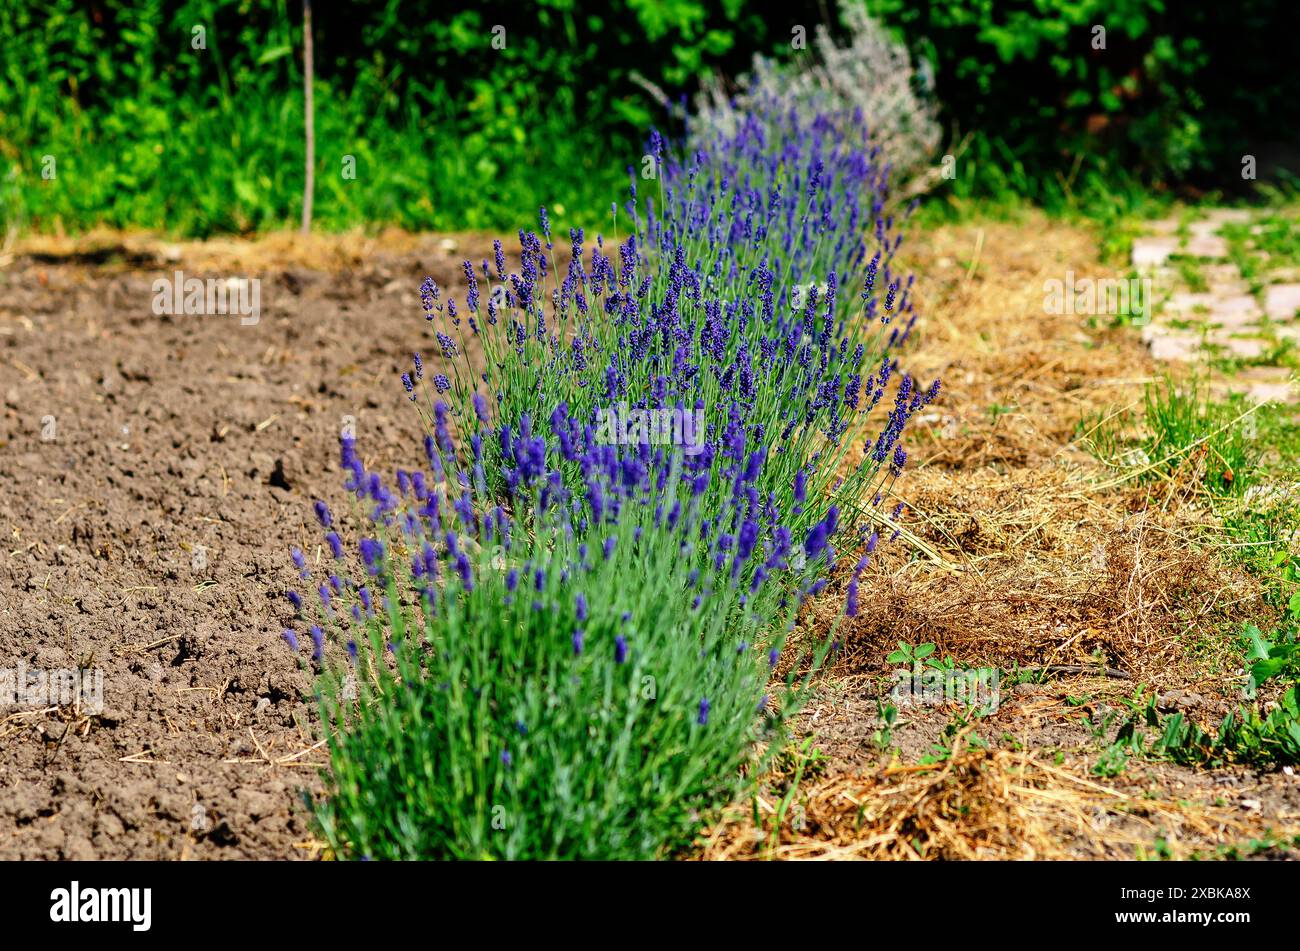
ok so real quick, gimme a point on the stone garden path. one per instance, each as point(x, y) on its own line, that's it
point(1245, 325)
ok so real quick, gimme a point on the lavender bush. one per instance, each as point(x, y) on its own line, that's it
point(556, 638)
point(725, 302)
point(873, 77)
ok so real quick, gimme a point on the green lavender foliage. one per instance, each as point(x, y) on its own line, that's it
point(488, 731)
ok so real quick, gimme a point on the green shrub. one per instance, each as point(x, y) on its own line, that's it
point(1180, 89)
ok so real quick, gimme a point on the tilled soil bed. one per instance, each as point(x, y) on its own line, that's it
point(154, 472)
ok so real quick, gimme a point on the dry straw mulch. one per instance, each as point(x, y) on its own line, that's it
point(979, 804)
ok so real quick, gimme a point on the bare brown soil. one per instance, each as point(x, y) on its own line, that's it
point(154, 471)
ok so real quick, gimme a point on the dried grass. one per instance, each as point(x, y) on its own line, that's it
point(1053, 565)
point(978, 804)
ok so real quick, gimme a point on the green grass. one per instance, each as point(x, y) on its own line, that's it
point(1278, 237)
point(1180, 420)
point(1179, 425)
point(238, 167)
point(1191, 275)
point(112, 117)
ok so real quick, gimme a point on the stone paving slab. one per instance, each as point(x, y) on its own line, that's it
point(1167, 344)
point(1271, 393)
point(1282, 301)
point(1224, 216)
point(1206, 246)
point(1186, 303)
point(1247, 348)
point(1267, 384)
point(1240, 311)
point(1148, 252)
point(1221, 273)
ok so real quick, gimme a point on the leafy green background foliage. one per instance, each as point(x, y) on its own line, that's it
point(1181, 91)
point(450, 133)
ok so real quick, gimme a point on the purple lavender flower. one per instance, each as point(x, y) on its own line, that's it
point(428, 296)
point(815, 543)
point(471, 295)
point(335, 543)
point(440, 428)
point(899, 461)
point(372, 554)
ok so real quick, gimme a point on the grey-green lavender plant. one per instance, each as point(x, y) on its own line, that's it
point(873, 75)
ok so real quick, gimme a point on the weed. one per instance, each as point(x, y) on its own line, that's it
point(958, 735)
point(1259, 737)
point(887, 715)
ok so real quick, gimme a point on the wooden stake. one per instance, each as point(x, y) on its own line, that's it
point(307, 75)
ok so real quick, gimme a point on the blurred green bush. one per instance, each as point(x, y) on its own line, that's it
point(1168, 90)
